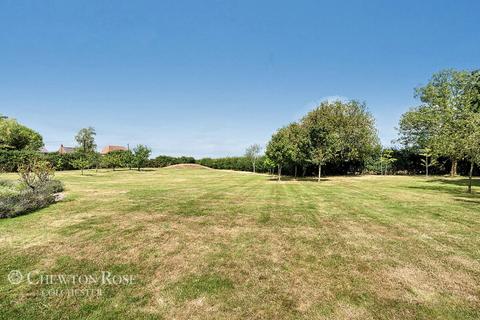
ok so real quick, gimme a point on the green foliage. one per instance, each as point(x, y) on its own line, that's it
point(333, 133)
point(416, 127)
point(253, 153)
point(14, 136)
point(86, 140)
point(27, 200)
point(10, 160)
point(234, 163)
point(386, 160)
point(280, 149)
point(341, 131)
point(36, 173)
point(82, 162)
point(141, 153)
point(165, 161)
point(447, 124)
point(115, 159)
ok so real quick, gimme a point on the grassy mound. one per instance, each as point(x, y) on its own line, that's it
point(187, 166)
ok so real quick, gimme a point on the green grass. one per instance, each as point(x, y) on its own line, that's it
point(210, 244)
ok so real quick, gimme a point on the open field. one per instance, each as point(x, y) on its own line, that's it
point(208, 244)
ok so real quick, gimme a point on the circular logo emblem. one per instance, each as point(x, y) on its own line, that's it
point(15, 277)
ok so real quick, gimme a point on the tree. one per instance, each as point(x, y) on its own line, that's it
point(14, 136)
point(279, 149)
point(299, 139)
point(141, 153)
point(95, 160)
point(113, 159)
point(417, 127)
point(269, 164)
point(252, 153)
point(471, 124)
point(386, 160)
point(86, 140)
point(428, 159)
point(340, 131)
point(128, 159)
point(36, 173)
point(446, 99)
point(82, 163)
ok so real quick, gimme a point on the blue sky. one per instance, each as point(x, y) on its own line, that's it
point(208, 78)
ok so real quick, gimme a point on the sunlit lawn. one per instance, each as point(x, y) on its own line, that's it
point(212, 244)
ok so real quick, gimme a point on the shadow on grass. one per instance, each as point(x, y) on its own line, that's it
point(458, 182)
point(457, 187)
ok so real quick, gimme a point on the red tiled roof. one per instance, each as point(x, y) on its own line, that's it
point(108, 149)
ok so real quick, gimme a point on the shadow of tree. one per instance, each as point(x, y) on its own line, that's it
point(457, 187)
point(457, 182)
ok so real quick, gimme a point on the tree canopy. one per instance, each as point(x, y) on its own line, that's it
point(446, 120)
point(333, 132)
point(15, 136)
point(86, 140)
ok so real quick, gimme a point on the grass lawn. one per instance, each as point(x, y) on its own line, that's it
point(208, 244)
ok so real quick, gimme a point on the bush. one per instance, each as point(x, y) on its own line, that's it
point(26, 200)
point(165, 161)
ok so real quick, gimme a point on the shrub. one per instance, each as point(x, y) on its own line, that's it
point(26, 200)
point(36, 173)
point(165, 161)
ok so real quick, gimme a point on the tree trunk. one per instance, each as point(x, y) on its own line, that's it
point(253, 166)
point(279, 172)
point(82, 171)
point(295, 172)
point(470, 177)
point(304, 171)
point(426, 166)
point(453, 170)
point(319, 172)
point(138, 168)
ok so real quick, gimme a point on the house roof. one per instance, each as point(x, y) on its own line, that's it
point(108, 149)
point(66, 149)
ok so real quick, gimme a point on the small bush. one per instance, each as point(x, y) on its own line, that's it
point(53, 186)
point(28, 200)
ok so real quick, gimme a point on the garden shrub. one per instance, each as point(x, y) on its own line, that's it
point(26, 200)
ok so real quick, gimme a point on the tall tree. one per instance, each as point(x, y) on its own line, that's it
point(340, 131)
point(280, 149)
point(114, 159)
point(86, 140)
point(471, 124)
point(15, 136)
point(386, 160)
point(82, 162)
point(253, 153)
point(300, 141)
point(141, 153)
point(427, 160)
point(446, 100)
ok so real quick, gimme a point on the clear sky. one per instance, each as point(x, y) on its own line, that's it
point(208, 78)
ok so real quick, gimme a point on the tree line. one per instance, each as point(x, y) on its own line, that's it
point(445, 127)
point(337, 137)
point(20, 145)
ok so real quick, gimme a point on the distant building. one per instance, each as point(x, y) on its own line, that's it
point(43, 150)
point(108, 149)
point(64, 150)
